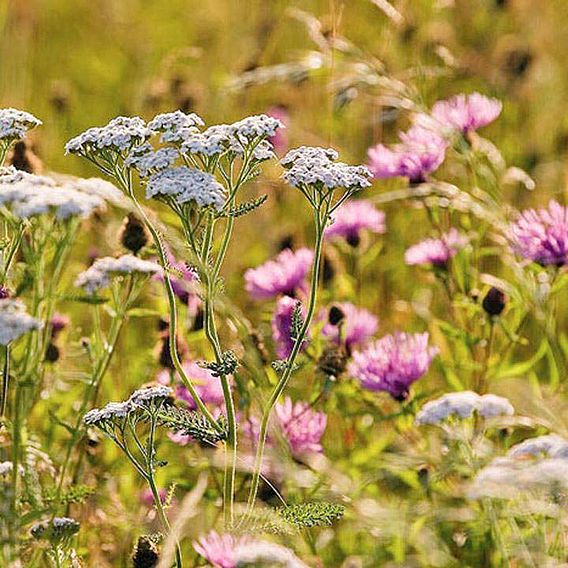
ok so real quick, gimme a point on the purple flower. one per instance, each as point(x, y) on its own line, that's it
point(283, 275)
point(301, 426)
point(356, 328)
point(148, 498)
point(280, 139)
point(354, 217)
point(421, 152)
point(207, 386)
point(393, 363)
point(183, 279)
point(220, 550)
point(282, 325)
point(466, 113)
point(542, 235)
point(436, 251)
point(58, 323)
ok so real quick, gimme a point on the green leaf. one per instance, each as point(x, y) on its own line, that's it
point(522, 368)
point(143, 313)
point(245, 207)
point(312, 514)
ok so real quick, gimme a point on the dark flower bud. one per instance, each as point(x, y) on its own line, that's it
point(163, 325)
point(333, 361)
point(52, 353)
point(494, 302)
point(336, 315)
point(286, 242)
point(328, 271)
point(133, 234)
point(518, 61)
point(353, 240)
point(23, 158)
point(146, 554)
point(4, 293)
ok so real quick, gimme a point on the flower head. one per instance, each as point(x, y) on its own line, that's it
point(282, 326)
point(55, 530)
point(145, 160)
point(301, 426)
point(185, 184)
point(111, 412)
point(283, 275)
point(14, 123)
point(174, 126)
point(466, 113)
point(149, 395)
point(393, 363)
point(421, 152)
point(220, 550)
point(542, 235)
point(352, 218)
point(15, 321)
point(356, 327)
point(436, 251)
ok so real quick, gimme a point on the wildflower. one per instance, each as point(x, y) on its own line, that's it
point(494, 302)
point(436, 251)
point(463, 405)
point(149, 395)
point(100, 188)
point(56, 530)
point(15, 321)
point(548, 446)
point(542, 235)
point(393, 363)
point(147, 497)
point(257, 126)
point(185, 184)
point(285, 274)
point(207, 386)
point(145, 160)
point(282, 326)
point(220, 549)
point(355, 329)
point(421, 152)
point(333, 361)
point(175, 125)
point(466, 113)
point(352, 218)
point(99, 274)
point(14, 123)
point(301, 427)
point(317, 167)
point(213, 141)
point(110, 412)
point(133, 234)
point(279, 140)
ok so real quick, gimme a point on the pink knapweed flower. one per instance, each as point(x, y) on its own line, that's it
point(420, 152)
point(353, 217)
point(542, 235)
point(282, 325)
point(220, 549)
point(436, 251)
point(280, 139)
point(284, 274)
point(356, 328)
point(393, 363)
point(466, 113)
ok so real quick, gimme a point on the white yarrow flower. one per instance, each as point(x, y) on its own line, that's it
point(175, 126)
point(15, 321)
point(145, 160)
point(15, 123)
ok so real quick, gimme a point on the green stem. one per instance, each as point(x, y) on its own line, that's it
point(5, 381)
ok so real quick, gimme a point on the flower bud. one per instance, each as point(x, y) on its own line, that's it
point(336, 315)
point(333, 361)
point(133, 235)
point(494, 302)
point(145, 553)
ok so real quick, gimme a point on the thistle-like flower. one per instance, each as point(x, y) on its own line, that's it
point(220, 550)
point(15, 321)
point(393, 363)
point(436, 252)
point(354, 217)
point(286, 274)
point(355, 329)
point(542, 235)
point(466, 113)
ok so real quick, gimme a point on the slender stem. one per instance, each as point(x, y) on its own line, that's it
point(5, 381)
point(321, 215)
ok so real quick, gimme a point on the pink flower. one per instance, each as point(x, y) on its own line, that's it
point(220, 550)
point(436, 251)
point(285, 274)
point(148, 498)
point(542, 235)
point(467, 113)
point(356, 328)
point(421, 152)
point(282, 325)
point(301, 426)
point(354, 217)
point(393, 363)
point(280, 139)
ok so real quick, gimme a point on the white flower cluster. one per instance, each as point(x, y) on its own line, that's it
point(15, 321)
point(149, 394)
point(536, 464)
point(316, 166)
point(101, 188)
point(99, 274)
point(7, 467)
point(462, 405)
point(262, 553)
point(175, 126)
point(119, 135)
point(15, 123)
point(145, 160)
point(257, 126)
point(185, 184)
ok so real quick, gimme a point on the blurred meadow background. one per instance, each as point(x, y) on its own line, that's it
point(343, 73)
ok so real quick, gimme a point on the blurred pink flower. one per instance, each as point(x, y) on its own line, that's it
point(466, 113)
point(356, 328)
point(284, 274)
point(542, 235)
point(393, 363)
point(353, 217)
point(436, 251)
point(280, 139)
point(220, 549)
point(282, 324)
point(148, 499)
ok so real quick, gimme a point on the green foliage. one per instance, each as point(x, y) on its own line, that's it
point(316, 514)
point(192, 423)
